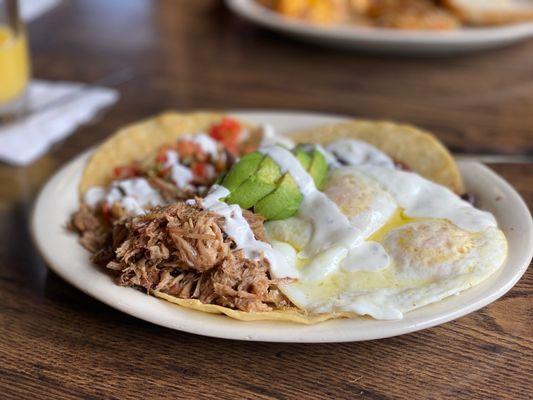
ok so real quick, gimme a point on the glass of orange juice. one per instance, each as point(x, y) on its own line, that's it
point(14, 61)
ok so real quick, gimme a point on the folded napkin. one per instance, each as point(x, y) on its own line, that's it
point(56, 110)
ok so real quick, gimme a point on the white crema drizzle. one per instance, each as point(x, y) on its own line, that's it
point(331, 227)
point(237, 228)
point(133, 195)
point(179, 173)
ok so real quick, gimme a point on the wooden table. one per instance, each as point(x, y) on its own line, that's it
point(55, 342)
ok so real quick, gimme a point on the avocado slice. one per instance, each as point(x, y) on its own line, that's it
point(242, 170)
point(257, 186)
point(303, 157)
point(318, 169)
point(282, 202)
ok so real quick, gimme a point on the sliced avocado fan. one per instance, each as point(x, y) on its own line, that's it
point(256, 182)
point(258, 185)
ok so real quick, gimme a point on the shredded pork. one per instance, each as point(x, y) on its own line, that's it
point(94, 234)
point(181, 250)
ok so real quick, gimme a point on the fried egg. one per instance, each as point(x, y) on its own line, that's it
point(437, 245)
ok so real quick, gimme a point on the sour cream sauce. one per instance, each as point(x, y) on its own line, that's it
point(133, 195)
point(179, 174)
point(207, 144)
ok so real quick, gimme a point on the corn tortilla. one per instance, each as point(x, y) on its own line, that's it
point(279, 315)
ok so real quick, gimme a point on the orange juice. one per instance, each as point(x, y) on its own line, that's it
point(14, 64)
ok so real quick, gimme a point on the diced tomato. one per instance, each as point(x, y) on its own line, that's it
point(228, 127)
point(187, 148)
point(199, 169)
point(161, 156)
point(203, 170)
point(128, 171)
point(228, 132)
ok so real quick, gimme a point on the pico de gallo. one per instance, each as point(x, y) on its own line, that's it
point(179, 170)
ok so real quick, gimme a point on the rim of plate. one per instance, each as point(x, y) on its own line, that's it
point(254, 12)
point(60, 249)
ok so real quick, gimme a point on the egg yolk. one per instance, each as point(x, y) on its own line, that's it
point(433, 243)
point(352, 196)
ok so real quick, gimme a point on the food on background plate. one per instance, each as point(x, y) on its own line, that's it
point(491, 12)
point(405, 14)
point(336, 221)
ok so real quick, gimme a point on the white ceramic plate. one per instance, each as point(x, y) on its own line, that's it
point(385, 40)
point(67, 258)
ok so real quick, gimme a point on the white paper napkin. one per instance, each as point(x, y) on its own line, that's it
point(58, 109)
point(32, 9)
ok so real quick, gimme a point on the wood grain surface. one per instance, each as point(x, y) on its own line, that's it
point(56, 342)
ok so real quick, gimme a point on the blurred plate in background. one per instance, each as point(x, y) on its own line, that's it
point(385, 40)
